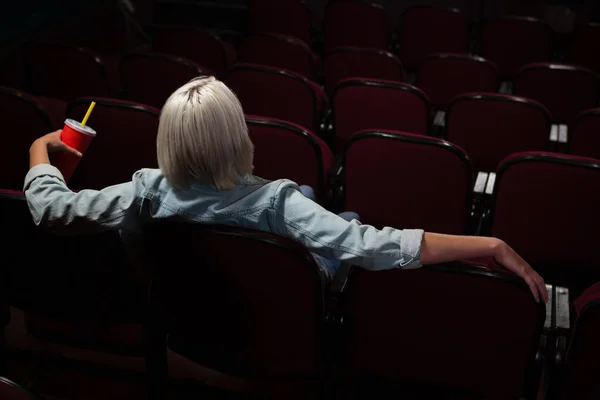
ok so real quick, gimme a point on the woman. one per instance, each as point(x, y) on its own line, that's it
point(205, 159)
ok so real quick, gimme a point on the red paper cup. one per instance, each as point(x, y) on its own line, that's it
point(78, 137)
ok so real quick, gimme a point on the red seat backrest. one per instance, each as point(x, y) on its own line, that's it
point(355, 24)
point(428, 30)
point(418, 181)
point(584, 47)
point(289, 17)
point(451, 327)
point(519, 124)
point(195, 44)
point(584, 349)
point(355, 62)
point(167, 73)
point(24, 119)
point(279, 51)
point(286, 150)
point(564, 89)
point(360, 104)
point(64, 71)
point(512, 42)
point(250, 304)
point(276, 93)
point(444, 76)
point(584, 134)
point(545, 207)
point(89, 294)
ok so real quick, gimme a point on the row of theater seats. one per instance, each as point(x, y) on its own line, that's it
point(543, 202)
point(508, 41)
point(66, 72)
point(488, 126)
point(290, 95)
point(263, 312)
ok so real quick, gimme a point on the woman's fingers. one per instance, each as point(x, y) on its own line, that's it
point(536, 285)
point(71, 150)
point(542, 288)
point(533, 287)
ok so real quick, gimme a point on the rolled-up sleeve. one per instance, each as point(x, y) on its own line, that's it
point(331, 236)
point(52, 204)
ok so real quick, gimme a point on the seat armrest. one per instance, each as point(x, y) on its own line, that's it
point(549, 322)
point(563, 318)
point(338, 285)
point(438, 124)
point(489, 187)
point(335, 183)
point(335, 291)
point(562, 323)
point(480, 203)
point(335, 174)
point(480, 182)
point(561, 350)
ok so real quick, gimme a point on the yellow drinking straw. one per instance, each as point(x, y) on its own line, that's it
point(88, 113)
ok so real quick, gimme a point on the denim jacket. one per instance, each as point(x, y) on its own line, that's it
point(273, 206)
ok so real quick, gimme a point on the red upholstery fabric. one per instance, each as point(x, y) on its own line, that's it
point(277, 93)
point(584, 47)
point(376, 104)
point(98, 306)
point(418, 181)
point(256, 299)
point(11, 391)
point(65, 72)
point(24, 119)
point(511, 42)
point(544, 207)
point(56, 110)
point(444, 76)
point(491, 126)
point(111, 63)
point(195, 44)
point(125, 142)
point(289, 17)
point(100, 333)
point(355, 24)
point(105, 30)
point(582, 358)
point(452, 327)
point(590, 294)
point(584, 134)
point(565, 90)
point(286, 150)
point(280, 51)
point(353, 62)
point(11, 70)
point(150, 78)
point(427, 30)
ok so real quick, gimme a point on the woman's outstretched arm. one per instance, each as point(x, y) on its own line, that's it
point(437, 248)
point(330, 236)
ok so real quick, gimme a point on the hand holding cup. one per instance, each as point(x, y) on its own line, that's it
point(54, 143)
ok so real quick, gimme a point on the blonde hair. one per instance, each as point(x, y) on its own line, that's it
point(203, 136)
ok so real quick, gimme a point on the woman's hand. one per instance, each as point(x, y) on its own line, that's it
point(439, 248)
point(510, 260)
point(50, 143)
point(53, 143)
